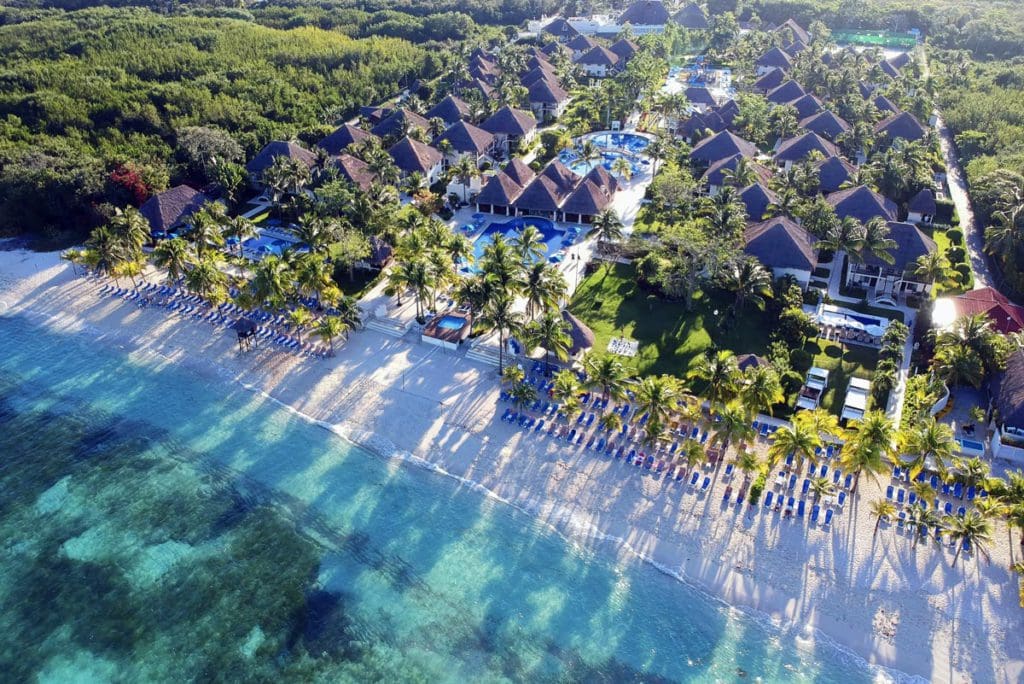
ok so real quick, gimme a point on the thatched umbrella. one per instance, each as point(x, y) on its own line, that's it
point(582, 336)
point(245, 328)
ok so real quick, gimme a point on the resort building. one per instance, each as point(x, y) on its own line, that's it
point(503, 188)
point(756, 197)
point(1007, 391)
point(903, 125)
point(599, 62)
point(795, 150)
point(806, 106)
point(717, 174)
point(511, 128)
point(884, 104)
point(833, 172)
point(794, 31)
point(921, 207)
point(1006, 317)
point(784, 247)
point(561, 30)
point(692, 16)
point(547, 100)
point(171, 209)
point(645, 16)
point(465, 140)
point(274, 149)
point(399, 123)
point(771, 78)
point(892, 280)
point(776, 58)
point(581, 45)
point(700, 98)
point(355, 171)
point(343, 136)
point(826, 124)
point(556, 193)
point(862, 203)
point(450, 109)
point(411, 156)
point(786, 93)
point(722, 146)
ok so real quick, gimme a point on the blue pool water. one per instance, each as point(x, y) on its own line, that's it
point(267, 245)
point(554, 238)
point(451, 322)
point(628, 141)
point(164, 526)
point(582, 167)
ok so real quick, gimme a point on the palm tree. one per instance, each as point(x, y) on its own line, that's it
point(820, 421)
point(928, 439)
point(622, 168)
point(610, 421)
point(821, 486)
point(692, 453)
point(846, 237)
point(972, 472)
point(174, 256)
point(240, 229)
point(868, 443)
point(877, 241)
point(312, 275)
point(529, 244)
point(760, 389)
point(932, 267)
point(921, 519)
point(513, 375)
point(501, 264)
point(300, 318)
point(800, 440)
point(607, 374)
point(958, 365)
point(523, 394)
point(973, 531)
point(550, 331)
point(721, 374)
point(881, 509)
point(131, 229)
point(329, 328)
point(570, 408)
point(732, 425)
point(316, 233)
point(749, 281)
point(566, 386)
point(270, 281)
point(206, 227)
point(748, 463)
point(465, 170)
point(499, 314)
point(656, 395)
point(607, 228)
point(106, 250)
point(544, 287)
point(207, 280)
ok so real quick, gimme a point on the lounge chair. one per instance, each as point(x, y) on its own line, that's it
point(763, 432)
point(590, 419)
point(836, 476)
point(792, 482)
point(590, 442)
point(572, 435)
point(704, 486)
point(848, 482)
point(824, 471)
point(811, 470)
point(659, 467)
point(790, 505)
point(728, 470)
point(961, 512)
point(768, 499)
point(704, 437)
point(900, 495)
point(789, 460)
point(828, 517)
point(800, 508)
point(814, 513)
point(896, 472)
point(958, 490)
point(694, 478)
point(911, 498)
point(600, 445)
point(970, 493)
point(934, 482)
point(842, 498)
point(806, 487)
point(620, 452)
point(680, 474)
point(902, 518)
point(946, 489)
point(648, 462)
point(728, 493)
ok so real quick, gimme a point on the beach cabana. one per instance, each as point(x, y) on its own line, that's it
point(582, 336)
point(245, 329)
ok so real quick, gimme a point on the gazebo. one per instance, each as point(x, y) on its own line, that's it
point(582, 336)
point(245, 328)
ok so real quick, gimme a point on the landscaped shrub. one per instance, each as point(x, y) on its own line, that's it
point(964, 270)
point(756, 489)
point(791, 380)
point(955, 254)
point(800, 360)
point(962, 278)
point(955, 235)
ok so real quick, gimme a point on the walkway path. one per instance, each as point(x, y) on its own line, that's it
point(973, 234)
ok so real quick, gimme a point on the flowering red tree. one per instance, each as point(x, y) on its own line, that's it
point(128, 177)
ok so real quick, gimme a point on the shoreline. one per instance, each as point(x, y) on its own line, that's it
point(744, 577)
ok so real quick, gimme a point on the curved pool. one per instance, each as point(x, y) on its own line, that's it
point(631, 142)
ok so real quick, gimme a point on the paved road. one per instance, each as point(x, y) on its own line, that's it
point(973, 233)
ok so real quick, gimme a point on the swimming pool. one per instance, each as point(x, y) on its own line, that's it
point(554, 239)
point(582, 167)
point(267, 245)
point(451, 322)
point(627, 141)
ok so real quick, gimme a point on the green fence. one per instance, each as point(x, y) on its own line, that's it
point(878, 38)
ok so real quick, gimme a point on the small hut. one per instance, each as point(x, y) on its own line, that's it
point(245, 328)
point(582, 336)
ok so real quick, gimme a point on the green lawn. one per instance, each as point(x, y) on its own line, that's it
point(612, 303)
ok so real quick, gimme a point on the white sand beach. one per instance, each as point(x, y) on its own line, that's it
point(895, 604)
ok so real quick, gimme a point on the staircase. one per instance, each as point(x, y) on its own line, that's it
point(387, 326)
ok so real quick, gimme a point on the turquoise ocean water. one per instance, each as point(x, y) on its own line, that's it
point(158, 526)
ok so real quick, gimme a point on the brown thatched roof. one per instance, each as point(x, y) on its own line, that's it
point(582, 336)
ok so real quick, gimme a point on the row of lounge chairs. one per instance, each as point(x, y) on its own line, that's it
point(193, 306)
point(952, 489)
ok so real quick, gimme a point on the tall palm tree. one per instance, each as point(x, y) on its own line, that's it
point(550, 331)
point(500, 315)
point(972, 472)
point(869, 442)
point(206, 228)
point(107, 250)
point(821, 486)
point(732, 425)
point(610, 421)
point(529, 244)
point(928, 439)
point(720, 372)
point(607, 229)
point(465, 170)
point(749, 281)
point(748, 463)
point(760, 389)
point(821, 422)
point(312, 275)
point(958, 365)
point(300, 318)
point(656, 395)
point(691, 453)
point(973, 530)
point(606, 374)
point(881, 509)
point(131, 228)
point(799, 439)
point(877, 241)
point(207, 280)
point(566, 385)
point(271, 281)
point(846, 237)
point(174, 256)
point(623, 168)
point(544, 287)
point(316, 233)
point(932, 267)
point(329, 328)
point(501, 264)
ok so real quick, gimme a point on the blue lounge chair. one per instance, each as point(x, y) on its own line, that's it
point(791, 504)
point(590, 419)
point(934, 482)
point(958, 490)
point(900, 495)
point(660, 467)
point(830, 451)
point(704, 437)
point(824, 470)
point(815, 511)
point(768, 499)
point(946, 489)
point(621, 450)
point(571, 436)
point(694, 433)
point(912, 498)
point(792, 482)
point(970, 493)
point(842, 498)
point(507, 413)
point(728, 493)
point(812, 470)
point(948, 510)
point(828, 517)
point(680, 474)
point(693, 480)
point(902, 518)
point(836, 476)
point(789, 460)
point(961, 512)
point(848, 482)
point(600, 445)
point(648, 462)
point(806, 487)
point(728, 470)
point(704, 486)
point(896, 472)
point(764, 430)
point(590, 442)
point(800, 508)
